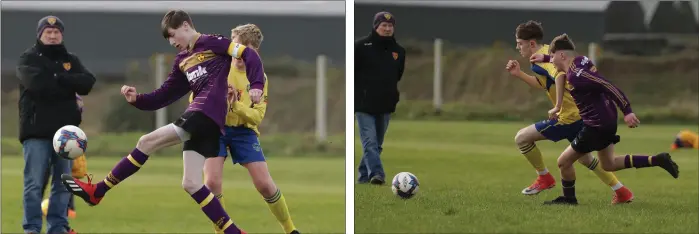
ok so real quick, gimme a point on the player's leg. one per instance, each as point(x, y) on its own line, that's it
point(213, 174)
point(271, 194)
point(565, 165)
point(246, 150)
point(603, 141)
point(92, 193)
point(621, 193)
point(612, 163)
point(193, 184)
point(201, 137)
point(525, 140)
point(37, 154)
point(57, 215)
point(370, 156)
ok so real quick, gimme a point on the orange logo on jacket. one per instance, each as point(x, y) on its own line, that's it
point(66, 66)
point(395, 56)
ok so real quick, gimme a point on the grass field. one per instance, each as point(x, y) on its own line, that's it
point(471, 175)
point(153, 201)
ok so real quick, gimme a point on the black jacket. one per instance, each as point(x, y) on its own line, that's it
point(49, 79)
point(378, 66)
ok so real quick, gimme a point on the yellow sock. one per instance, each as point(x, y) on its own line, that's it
point(533, 155)
point(607, 177)
point(217, 230)
point(277, 205)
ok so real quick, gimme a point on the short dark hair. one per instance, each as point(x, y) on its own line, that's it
point(530, 30)
point(174, 19)
point(562, 42)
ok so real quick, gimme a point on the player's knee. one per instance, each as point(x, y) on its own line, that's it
point(190, 185)
point(564, 163)
point(521, 138)
point(266, 188)
point(146, 142)
point(214, 183)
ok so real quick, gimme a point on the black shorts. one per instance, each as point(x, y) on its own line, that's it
point(594, 139)
point(204, 133)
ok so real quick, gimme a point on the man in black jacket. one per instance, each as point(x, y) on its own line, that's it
point(379, 63)
point(49, 78)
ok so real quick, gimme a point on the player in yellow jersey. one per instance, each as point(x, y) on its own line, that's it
point(686, 139)
point(564, 119)
point(247, 109)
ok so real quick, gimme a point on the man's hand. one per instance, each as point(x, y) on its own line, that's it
point(536, 58)
point(513, 67)
point(631, 120)
point(232, 94)
point(129, 93)
point(255, 95)
point(553, 113)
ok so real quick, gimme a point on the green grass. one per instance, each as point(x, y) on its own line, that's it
point(471, 175)
point(153, 201)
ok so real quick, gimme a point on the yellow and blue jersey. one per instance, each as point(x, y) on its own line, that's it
point(545, 74)
point(242, 113)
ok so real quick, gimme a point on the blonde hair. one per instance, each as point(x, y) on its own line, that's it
point(249, 34)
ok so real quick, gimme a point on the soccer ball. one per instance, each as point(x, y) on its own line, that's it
point(405, 185)
point(70, 142)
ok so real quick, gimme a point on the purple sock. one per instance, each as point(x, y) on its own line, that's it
point(637, 161)
point(214, 210)
point(128, 166)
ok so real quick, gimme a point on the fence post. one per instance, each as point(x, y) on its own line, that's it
point(593, 53)
point(160, 74)
point(321, 99)
point(437, 87)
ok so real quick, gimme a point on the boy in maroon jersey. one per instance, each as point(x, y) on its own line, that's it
point(597, 99)
point(202, 66)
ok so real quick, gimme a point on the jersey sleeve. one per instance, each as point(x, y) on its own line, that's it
point(253, 64)
point(586, 71)
point(547, 58)
point(223, 46)
point(254, 113)
point(170, 91)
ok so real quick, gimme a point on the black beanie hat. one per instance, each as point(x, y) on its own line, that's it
point(48, 21)
point(383, 16)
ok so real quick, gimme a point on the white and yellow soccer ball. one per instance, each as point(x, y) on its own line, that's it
point(70, 142)
point(405, 185)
